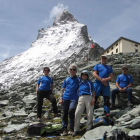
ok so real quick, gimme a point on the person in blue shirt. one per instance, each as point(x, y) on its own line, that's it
point(103, 74)
point(86, 100)
point(69, 98)
point(124, 82)
point(44, 89)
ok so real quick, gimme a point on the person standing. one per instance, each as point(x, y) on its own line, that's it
point(86, 100)
point(44, 89)
point(124, 82)
point(103, 74)
point(69, 98)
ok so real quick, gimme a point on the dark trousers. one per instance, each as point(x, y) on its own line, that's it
point(69, 107)
point(116, 91)
point(48, 95)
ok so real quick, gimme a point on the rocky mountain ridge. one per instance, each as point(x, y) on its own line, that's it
point(56, 47)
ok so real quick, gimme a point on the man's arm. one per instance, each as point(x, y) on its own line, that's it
point(61, 95)
point(37, 86)
point(117, 85)
point(124, 89)
point(96, 75)
point(52, 87)
point(108, 78)
point(93, 99)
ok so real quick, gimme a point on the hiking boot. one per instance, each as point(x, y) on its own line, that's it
point(129, 104)
point(65, 133)
point(75, 133)
point(112, 107)
point(71, 131)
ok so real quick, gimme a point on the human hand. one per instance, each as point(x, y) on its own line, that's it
point(121, 90)
point(104, 82)
point(92, 102)
point(124, 89)
point(61, 101)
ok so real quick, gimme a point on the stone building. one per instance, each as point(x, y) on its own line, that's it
point(122, 45)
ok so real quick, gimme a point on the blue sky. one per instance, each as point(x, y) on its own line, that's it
point(107, 20)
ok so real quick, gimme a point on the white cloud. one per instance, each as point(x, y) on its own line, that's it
point(5, 55)
point(56, 11)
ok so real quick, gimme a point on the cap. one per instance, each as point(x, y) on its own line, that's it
point(103, 56)
point(85, 71)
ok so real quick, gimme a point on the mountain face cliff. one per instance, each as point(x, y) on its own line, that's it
point(58, 46)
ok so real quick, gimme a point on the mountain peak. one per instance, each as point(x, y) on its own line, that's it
point(63, 18)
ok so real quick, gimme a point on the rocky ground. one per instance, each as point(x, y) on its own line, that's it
point(18, 108)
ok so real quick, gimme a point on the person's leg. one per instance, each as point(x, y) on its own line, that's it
point(113, 95)
point(106, 97)
point(106, 105)
point(65, 106)
point(52, 99)
point(72, 108)
point(97, 90)
point(129, 94)
point(40, 103)
point(79, 110)
point(89, 110)
point(96, 105)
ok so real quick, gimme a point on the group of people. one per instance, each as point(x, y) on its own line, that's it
point(80, 93)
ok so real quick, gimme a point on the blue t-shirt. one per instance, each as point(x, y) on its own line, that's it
point(124, 80)
point(45, 83)
point(71, 85)
point(103, 71)
point(86, 87)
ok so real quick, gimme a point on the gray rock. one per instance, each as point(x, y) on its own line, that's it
point(96, 133)
point(20, 113)
point(4, 102)
point(14, 128)
point(32, 114)
point(135, 132)
point(125, 117)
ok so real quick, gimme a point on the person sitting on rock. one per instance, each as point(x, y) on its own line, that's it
point(69, 99)
point(86, 100)
point(103, 74)
point(123, 83)
point(44, 89)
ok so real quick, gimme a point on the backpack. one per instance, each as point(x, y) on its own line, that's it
point(102, 121)
point(35, 129)
point(43, 129)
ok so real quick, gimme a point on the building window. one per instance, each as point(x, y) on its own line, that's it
point(136, 45)
point(136, 50)
point(117, 44)
point(107, 51)
point(112, 48)
point(116, 50)
point(112, 53)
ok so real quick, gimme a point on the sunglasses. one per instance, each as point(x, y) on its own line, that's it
point(84, 74)
point(124, 69)
point(46, 70)
point(103, 58)
point(72, 69)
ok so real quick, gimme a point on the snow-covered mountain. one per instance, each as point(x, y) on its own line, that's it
point(57, 47)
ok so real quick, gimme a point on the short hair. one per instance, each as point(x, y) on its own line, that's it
point(125, 67)
point(72, 65)
point(46, 68)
